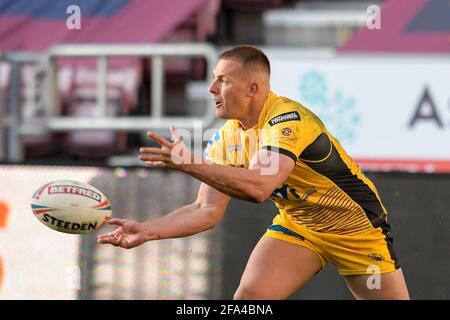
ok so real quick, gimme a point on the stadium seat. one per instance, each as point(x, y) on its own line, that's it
point(95, 144)
point(178, 71)
point(195, 29)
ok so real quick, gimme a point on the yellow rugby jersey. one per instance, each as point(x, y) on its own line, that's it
point(326, 191)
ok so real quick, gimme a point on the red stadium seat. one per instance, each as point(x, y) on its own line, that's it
point(95, 144)
point(196, 28)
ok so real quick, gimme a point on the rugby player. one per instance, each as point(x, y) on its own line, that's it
point(274, 147)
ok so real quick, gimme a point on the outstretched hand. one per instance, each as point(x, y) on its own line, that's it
point(172, 155)
point(130, 234)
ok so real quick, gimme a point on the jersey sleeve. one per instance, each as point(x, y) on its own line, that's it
point(287, 133)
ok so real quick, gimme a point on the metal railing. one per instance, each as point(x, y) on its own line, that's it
point(156, 120)
point(15, 128)
point(11, 126)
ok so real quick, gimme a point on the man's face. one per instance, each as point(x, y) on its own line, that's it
point(229, 89)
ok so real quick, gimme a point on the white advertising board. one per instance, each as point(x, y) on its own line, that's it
point(391, 111)
point(36, 262)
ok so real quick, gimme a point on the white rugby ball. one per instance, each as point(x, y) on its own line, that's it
point(70, 206)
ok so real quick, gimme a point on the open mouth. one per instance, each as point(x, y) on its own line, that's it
point(218, 104)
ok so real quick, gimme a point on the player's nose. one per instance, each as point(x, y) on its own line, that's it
point(213, 88)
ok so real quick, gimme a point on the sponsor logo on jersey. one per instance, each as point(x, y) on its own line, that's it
point(284, 117)
point(234, 147)
point(377, 257)
point(285, 190)
point(286, 132)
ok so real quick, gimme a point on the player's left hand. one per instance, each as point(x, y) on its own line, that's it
point(173, 155)
point(129, 234)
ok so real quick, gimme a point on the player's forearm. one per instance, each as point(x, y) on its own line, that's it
point(183, 222)
point(236, 182)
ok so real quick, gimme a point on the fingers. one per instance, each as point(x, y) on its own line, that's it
point(160, 157)
point(175, 136)
point(154, 158)
point(151, 154)
point(163, 151)
point(115, 233)
point(157, 164)
point(114, 238)
point(115, 241)
point(157, 157)
point(117, 222)
point(161, 140)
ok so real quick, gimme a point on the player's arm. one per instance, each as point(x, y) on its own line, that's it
point(203, 214)
point(267, 170)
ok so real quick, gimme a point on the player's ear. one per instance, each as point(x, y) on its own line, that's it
point(253, 89)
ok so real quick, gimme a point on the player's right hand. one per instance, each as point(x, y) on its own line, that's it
point(130, 234)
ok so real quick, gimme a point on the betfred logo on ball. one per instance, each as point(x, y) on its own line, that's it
point(70, 206)
point(75, 190)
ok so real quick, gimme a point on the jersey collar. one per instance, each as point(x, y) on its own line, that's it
point(269, 101)
point(262, 116)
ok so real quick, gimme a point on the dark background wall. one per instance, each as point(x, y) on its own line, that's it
point(418, 206)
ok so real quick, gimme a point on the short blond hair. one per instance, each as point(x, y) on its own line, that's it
point(250, 56)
